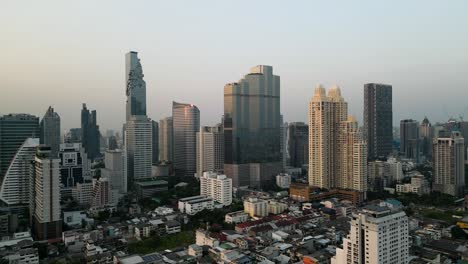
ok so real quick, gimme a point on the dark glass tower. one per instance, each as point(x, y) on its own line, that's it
point(252, 128)
point(14, 130)
point(410, 139)
point(50, 131)
point(378, 119)
point(90, 135)
point(298, 144)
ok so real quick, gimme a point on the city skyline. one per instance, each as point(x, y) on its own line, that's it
point(426, 54)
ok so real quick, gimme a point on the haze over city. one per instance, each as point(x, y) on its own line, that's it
point(66, 53)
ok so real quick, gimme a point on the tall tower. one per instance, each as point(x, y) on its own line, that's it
point(326, 112)
point(14, 130)
point(210, 149)
point(409, 139)
point(378, 119)
point(45, 196)
point(166, 145)
point(90, 135)
point(135, 86)
point(186, 122)
point(449, 164)
point(155, 140)
point(50, 131)
point(298, 144)
point(252, 126)
point(426, 132)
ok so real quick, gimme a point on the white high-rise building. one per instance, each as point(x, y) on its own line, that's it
point(15, 184)
point(216, 186)
point(448, 155)
point(378, 235)
point(45, 195)
point(139, 150)
point(337, 157)
point(210, 149)
point(114, 170)
point(283, 180)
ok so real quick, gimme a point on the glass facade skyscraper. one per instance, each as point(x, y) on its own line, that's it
point(90, 135)
point(14, 130)
point(50, 131)
point(186, 123)
point(252, 127)
point(135, 86)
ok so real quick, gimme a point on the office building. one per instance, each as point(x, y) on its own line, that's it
point(103, 195)
point(426, 132)
point(378, 119)
point(15, 185)
point(82, 193)
point(150, 188)
point(283, 180)
point(377, 235)
point(186, 123)
point(256, 207)
point(252, 128)
point(216, 186)
point(75, 167)
point(166, 145)
point(283, 142)
point(410, 139)
point(135, 86)
point(383, 174)
point(210, 149)
point(298, 144)
point(155, 133)
point(45, 196)
point(14, 130)
point(114, 170)
point(50, 131)
point(449, 164)
point(90, 135)
point(139, 149)
point(72, 136)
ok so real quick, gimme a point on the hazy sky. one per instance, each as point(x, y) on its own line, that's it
point(64, 53)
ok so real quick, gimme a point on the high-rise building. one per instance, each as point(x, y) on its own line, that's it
point(252, 128)
point(114, 170)
point(135, 86)
point(50, 131)
point(326, 112)
point(298, 144)
point(166, 145)
point(90, 135)
point(409, 139)
point(337, 157)
point(426, 133)
point(383, 174)
point(14, 130)
point(73, 136)
point(210, 149)
point(45, 196)
point(75, 167)
point(216, 186)
point(377, 235)
point(186, 123)
point(155, 133)
point(283, 142)
point(449, 164)
point(15, 185)
point(378, 119)
point(139, 149)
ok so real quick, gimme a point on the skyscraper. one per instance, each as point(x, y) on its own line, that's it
point(298, 144)
point(90, 135)
point(114, 170)
point(377, 235)
point(216, 186)
point(426, 133)
point(166, 145)
point(155, 133)
point(449, 164)
point(135, 86)
point(45, 196)
point(15, 185)
point(14, 130)
point(139, 149)
point(186, 122)
point(337, 153)
point(409, 139)
point(50, 131)
point(252, 128)
point(75, 167)
point(210, 149)
point(378, 119)
point(326, 112)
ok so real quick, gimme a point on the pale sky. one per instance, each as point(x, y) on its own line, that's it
point(64, 53)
